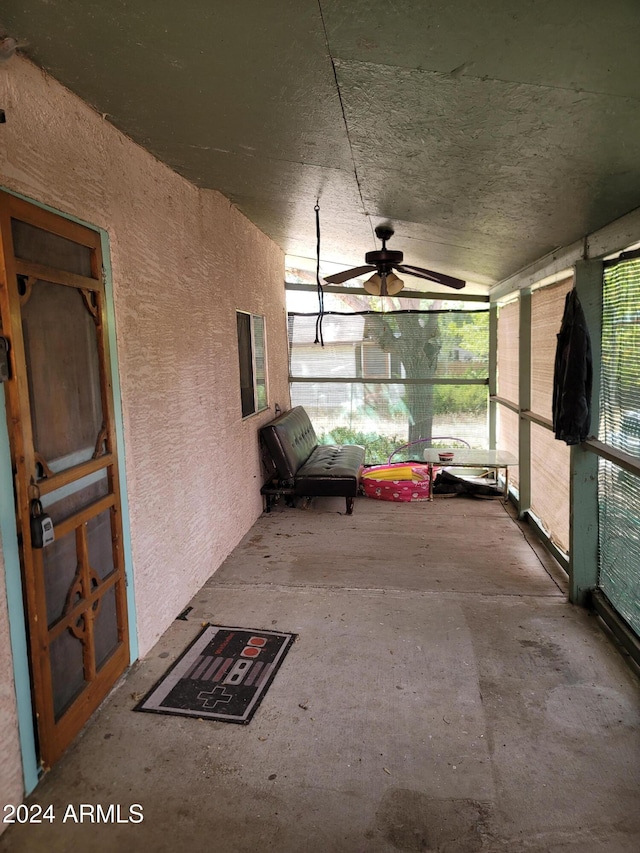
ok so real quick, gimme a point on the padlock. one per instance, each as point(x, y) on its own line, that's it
point(42, 533)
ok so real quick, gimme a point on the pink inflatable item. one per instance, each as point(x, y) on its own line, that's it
point(398, 481)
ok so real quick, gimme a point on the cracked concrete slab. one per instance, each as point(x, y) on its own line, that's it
point(442, 695)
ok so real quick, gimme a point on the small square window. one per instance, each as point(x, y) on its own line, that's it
point(252, 356)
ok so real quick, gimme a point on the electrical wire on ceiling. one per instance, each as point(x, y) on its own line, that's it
point(319, 338)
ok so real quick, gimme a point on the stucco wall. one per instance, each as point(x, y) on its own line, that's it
point(183, 261)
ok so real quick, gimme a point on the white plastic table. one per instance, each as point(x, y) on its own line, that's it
point(464, 458)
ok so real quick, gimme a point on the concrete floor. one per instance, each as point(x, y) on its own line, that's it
point(441, 696)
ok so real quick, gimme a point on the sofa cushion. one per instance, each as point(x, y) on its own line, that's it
point(331, 470)
point(290, 439)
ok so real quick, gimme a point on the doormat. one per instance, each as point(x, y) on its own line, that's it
point(223, 675)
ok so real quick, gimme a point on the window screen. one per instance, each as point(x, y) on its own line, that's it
point(619, 490)
point(383, 379)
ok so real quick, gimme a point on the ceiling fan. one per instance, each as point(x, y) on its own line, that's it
point(382, 262)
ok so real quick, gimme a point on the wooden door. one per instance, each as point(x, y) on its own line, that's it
point(61, 427)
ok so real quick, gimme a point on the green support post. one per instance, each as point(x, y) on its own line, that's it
point(583, 532)
point(493, 373)
point(524, 401)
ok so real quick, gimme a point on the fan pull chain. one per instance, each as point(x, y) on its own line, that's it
point(319, 338)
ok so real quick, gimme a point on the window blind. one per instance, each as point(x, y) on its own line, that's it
point(619, 490)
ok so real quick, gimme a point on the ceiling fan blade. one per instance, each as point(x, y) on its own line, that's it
point(430, 275)
point(339, 277)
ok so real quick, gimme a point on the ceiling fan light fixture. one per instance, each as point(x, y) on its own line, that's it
point(394, 285)
point(373, 285)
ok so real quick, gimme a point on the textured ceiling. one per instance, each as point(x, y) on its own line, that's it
point(487, 133)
